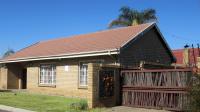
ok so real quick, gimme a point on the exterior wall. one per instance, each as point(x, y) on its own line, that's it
point(3, 78)
point(92, 94)
point(148, 48)
point(186, 57)
point(10, 76)
point(198, 64)
point(67, 81)
point(14, 73)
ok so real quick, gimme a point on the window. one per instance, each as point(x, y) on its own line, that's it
point(48, 74)
point(83, 72)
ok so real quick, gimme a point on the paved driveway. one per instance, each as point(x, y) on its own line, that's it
point(131, 109)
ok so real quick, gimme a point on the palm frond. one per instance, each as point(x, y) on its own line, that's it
point(128, 14)
point(128, 17)
point(8, 53)
point(149, 15)
point(125, 10)
point(118, 22)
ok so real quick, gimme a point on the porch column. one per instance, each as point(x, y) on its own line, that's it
point(92, 84)
point(4, 77)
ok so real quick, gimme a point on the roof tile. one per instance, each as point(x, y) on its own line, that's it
point(98, 41)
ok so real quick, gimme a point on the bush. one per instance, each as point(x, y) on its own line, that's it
point(81, 105)
point(195, 95)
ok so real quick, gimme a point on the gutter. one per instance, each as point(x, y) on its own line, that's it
point(62, 56)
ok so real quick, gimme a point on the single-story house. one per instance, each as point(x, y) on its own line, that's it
point(85, 66)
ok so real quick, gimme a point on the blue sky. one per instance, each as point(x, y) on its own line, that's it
point(24, 22)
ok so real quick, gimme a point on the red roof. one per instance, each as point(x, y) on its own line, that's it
point(98, 41)
point(179, 55)
point(103, 41)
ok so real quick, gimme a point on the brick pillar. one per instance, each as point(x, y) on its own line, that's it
point(186, 56)
point(3, 79)
point(92, 84)
point(198, 64)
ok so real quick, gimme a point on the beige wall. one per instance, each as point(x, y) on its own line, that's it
point(14, 73)
point(10, 76)
point(3, 78)
point(66, 81)
point(92, 94)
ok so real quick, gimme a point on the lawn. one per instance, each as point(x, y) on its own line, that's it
point(41, 103)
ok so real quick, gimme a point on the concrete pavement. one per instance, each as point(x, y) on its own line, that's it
point(4, 108)
point(131, 109)
point(4, 111)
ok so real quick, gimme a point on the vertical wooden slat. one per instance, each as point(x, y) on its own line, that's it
point(161, 97)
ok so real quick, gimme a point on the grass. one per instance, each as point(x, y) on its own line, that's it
point(41, 103)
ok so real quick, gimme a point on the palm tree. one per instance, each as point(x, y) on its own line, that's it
point(8, 53)
point(130, 17)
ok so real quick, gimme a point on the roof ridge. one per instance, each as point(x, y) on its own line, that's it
point(149, 25)
point(107, 30)
point(177, 49)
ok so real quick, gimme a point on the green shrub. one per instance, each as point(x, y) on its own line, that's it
point(195, 95)
point(81, 105)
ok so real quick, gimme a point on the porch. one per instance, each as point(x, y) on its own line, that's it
point(13, 76)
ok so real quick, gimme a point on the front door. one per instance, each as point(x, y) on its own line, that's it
point(106, 88)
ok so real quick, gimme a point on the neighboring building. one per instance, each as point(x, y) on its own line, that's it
point(198, 64)
point(83, 65)
point(186, 57)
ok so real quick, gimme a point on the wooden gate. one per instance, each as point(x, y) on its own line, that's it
point(160, 89)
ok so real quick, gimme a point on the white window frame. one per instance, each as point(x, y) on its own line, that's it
point(83, 74)
point(47, 74)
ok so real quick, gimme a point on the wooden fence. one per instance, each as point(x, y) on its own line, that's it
point(161, 89)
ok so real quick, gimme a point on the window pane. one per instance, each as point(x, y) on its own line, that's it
point(47, 74)
point(83, 74)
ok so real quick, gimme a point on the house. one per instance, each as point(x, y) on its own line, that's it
point(85, 66)
point(186, 57)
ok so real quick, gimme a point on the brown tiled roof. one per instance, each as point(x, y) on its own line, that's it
point(98, 41)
